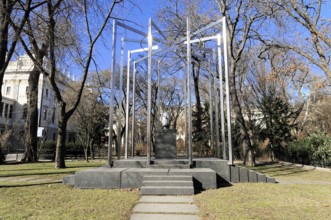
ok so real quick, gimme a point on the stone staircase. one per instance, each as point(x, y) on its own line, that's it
point(170, 164)
point(167, 185)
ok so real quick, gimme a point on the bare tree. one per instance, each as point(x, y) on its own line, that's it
point(244, 18)
point(9, 15)
point(311, 38)
point(63, 113)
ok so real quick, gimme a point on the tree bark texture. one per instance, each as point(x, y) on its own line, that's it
point(247, 149)
point(61, 136)
point(31, 124)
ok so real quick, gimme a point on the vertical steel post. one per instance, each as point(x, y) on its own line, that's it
point(220, 72)
point(228, 109)
point(188, 48)
point(120, 101)
point(112, 94)
point(217, 127)
point(127, 105)
point(133, 108)
point(158, 95)
point(185, 112)
point(211, 106)
point(149, 96)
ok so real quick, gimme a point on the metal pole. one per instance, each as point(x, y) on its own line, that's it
point(220, 72)
point(211, 107)
point(133, 108)
point(112, 94)
point(120, 109)
point(158, 95)
point(228, 109)
point(217, 127)
point(188, 48)
point(127, 105)
point(149, 96)
point(185, 112)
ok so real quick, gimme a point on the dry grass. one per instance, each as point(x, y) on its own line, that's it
point(31, 191)
point(308, 200)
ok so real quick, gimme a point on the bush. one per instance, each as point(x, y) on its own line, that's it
point(312, 150)
point(47, 150)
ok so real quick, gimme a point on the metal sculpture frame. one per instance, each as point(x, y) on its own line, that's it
point(187, 87)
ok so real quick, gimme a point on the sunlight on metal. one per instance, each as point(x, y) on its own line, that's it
point(149, 95)
point(204, 28)
point(112, 96)
point(130, 52)
point(220, 72)
point(217, 127)
point(214, 85)
point(226, 68)
point(120, 100)
point(188, 69)
point(202, 39)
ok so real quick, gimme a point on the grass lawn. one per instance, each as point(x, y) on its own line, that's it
point(305, 196)
point(33, 191)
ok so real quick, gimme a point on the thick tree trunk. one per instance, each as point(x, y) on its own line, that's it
point(3, 46)
point(61, 136)
point(31, 124)
point(247, 149)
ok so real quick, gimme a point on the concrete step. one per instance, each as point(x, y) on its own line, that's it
point(170, 162)
point(167, 183)
point(170, 166)
point(167, 190)
point(167, 178)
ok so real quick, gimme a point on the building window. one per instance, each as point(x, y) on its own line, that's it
point(10, 111)
point(6, 110)
point(25, 111)
point(45, 113)
point(1, 109)
point(46, 93)
point(8, 90)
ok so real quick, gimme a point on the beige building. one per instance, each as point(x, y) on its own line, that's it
point(13, 109)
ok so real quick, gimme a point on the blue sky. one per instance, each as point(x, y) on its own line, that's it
point(136, 17)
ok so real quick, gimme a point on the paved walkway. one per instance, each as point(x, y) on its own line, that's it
point(165, 208)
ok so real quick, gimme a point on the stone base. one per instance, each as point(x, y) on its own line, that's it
point(165, 146)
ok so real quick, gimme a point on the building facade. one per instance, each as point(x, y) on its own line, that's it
point(13, 108)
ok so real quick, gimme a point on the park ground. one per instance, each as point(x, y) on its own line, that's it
point(35, 191)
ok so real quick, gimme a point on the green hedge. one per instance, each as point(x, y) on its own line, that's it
point(73, 150)
point(312, 150)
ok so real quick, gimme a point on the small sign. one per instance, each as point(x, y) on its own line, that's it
point(40, 132)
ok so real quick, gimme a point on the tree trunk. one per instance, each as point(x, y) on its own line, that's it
point(87, 147)
point(61, 136)
point(247, 149)
point(31, 124)
point(91, 149)
point(4, 27)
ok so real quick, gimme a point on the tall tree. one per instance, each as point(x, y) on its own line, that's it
point(37, 39)
point(243, 20)
point(63, 113)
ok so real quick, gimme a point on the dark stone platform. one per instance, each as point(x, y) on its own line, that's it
point(165, 144)
point(207, 173)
